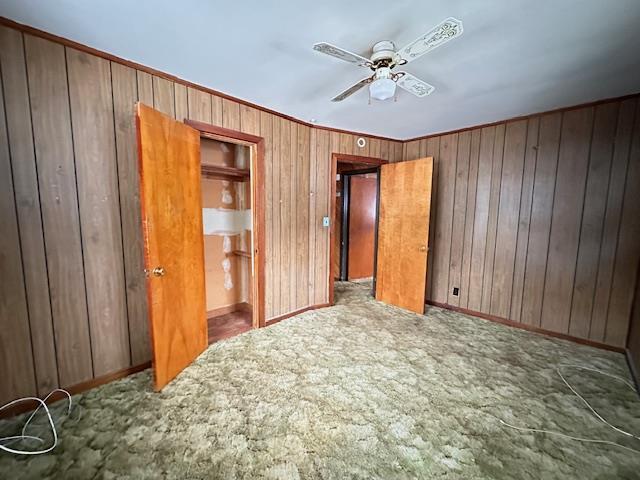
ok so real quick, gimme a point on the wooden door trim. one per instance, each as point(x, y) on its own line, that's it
point(256, 144)
point(344, 228)
point(345, 158)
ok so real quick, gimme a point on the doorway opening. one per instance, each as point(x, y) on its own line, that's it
point(231, 212)
point(355, 199)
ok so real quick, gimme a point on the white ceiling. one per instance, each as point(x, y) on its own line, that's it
point(515, 56)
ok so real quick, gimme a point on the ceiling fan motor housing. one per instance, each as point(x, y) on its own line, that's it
point(384, 54)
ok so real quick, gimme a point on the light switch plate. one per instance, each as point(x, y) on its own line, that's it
point(325, 221)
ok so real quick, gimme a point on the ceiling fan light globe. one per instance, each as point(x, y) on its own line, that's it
point(382, 89)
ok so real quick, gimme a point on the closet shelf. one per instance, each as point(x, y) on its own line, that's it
point(225, 173)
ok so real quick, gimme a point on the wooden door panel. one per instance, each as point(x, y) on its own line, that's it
point(362, 226)
point(172, 224)
point(403, 233)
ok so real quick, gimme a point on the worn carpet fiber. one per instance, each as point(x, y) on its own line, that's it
point(358, 390)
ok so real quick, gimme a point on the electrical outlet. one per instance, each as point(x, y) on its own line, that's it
point(456, 291)
point(325, 221)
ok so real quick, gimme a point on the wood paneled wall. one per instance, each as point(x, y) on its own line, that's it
point(537, 220)
point(633, 342)
point(72, 290)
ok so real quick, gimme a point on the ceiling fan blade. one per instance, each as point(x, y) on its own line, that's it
point(352, 89)
point(414, 85)
point(443, 32)
point(342, 54)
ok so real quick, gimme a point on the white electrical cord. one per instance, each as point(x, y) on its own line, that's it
point(23, 435)
point(575, 392)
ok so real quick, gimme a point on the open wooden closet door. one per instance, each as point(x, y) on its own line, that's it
point(169, 160)
point(403, 233)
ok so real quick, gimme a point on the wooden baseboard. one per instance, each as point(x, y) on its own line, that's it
point(296, 312)
point(23, 407)
point(529, 328)
point(632, 368)
point(236, 307)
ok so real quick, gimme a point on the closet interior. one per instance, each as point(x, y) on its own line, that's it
point(227, 226)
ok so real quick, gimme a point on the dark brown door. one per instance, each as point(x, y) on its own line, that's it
point(403, 233)
point(362, 225)
point(169, 155)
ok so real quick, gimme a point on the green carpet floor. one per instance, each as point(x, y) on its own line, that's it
point(359, 390)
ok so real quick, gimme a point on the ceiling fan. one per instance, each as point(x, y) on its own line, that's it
point(385, 57)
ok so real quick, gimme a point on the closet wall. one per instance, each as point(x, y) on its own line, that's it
point(72, 291)
point(537, 220)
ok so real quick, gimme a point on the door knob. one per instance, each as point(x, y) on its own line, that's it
point(423, 248)
point(158, 271)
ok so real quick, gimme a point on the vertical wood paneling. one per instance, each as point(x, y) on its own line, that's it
point(285, 216)
point(628, 251)
point(492, 222)
point(412, 150)
point(344, 145)
point(16, 358)
point(249, 120)
point(541, 207)
point(397, 152)
point(230, 114)
point(49, 97)
point(593, 211)
point(444, 216)
point(483, 190)
point(163, 96)
point(574, 277)
point(386, 150)
point(508, 214)
point(276, 215)
point(611, 228)
point(322, 209)
point(432, 149)
point(375, 147)
point(302, 221)
point(293, 215)
point(633, 342)
point(20, 143)
point(566, 217)
point(145, 88)
point(313, 168)
point(266, 131)
point(469, 221)
point(181, 102)
point(216, 110)
point(97, 177)
point(459, 216)
point(199, 105)
point(524, 219)
point(123, 81)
